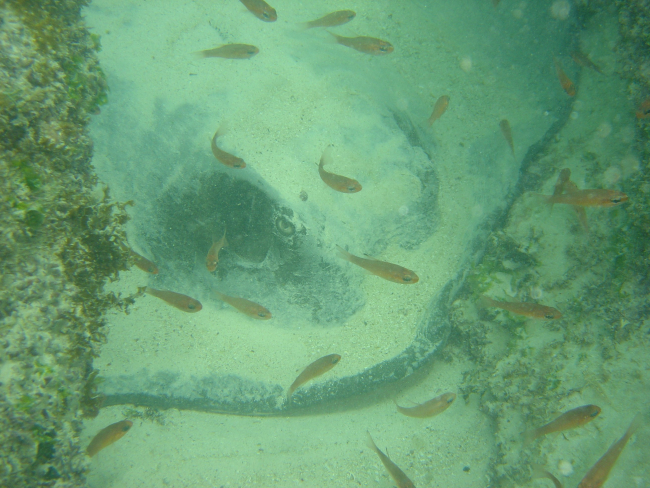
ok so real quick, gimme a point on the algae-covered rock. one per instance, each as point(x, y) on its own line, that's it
point(58, 241)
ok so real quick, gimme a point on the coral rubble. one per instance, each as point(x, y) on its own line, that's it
point(59, 239)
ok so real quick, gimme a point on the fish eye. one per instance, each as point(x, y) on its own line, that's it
point(406, 278)
point(594, 413)
point(265, 15)
point(261, 314)
point(191, 306)
point(451, 399)
point(352, 188)
point(616, 200)
point(126, 428)
point(335, 360)
point(549, 316)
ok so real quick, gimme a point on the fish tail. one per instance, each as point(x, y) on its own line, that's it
point(636, 423)
point(540, 472)
point(371, 444)
point(544, 198)
point(343, 254)
point(336, 38)
point(222, 130)
point(529, 436)
point(305, 25)
point(484, 302)
point(326, 158)
point(142, 290)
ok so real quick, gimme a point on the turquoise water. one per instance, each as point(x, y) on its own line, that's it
point(451, 202)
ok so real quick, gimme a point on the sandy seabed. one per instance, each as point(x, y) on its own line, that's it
point(284, 111)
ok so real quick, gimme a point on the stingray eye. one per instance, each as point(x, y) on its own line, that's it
point(191, 306)
point(406, 278)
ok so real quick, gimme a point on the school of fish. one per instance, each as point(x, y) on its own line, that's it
point(565, 192)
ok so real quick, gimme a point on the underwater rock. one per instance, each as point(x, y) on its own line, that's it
point(58, 241)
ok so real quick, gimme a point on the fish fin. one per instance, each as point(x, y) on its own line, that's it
point(529, 436)
point(370, 443)
point(484, 302)
point(370, 257)
point(343, 253)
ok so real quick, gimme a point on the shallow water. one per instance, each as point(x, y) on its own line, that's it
point(430, 197)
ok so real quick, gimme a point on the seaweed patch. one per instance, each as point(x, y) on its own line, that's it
point(58, 241)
